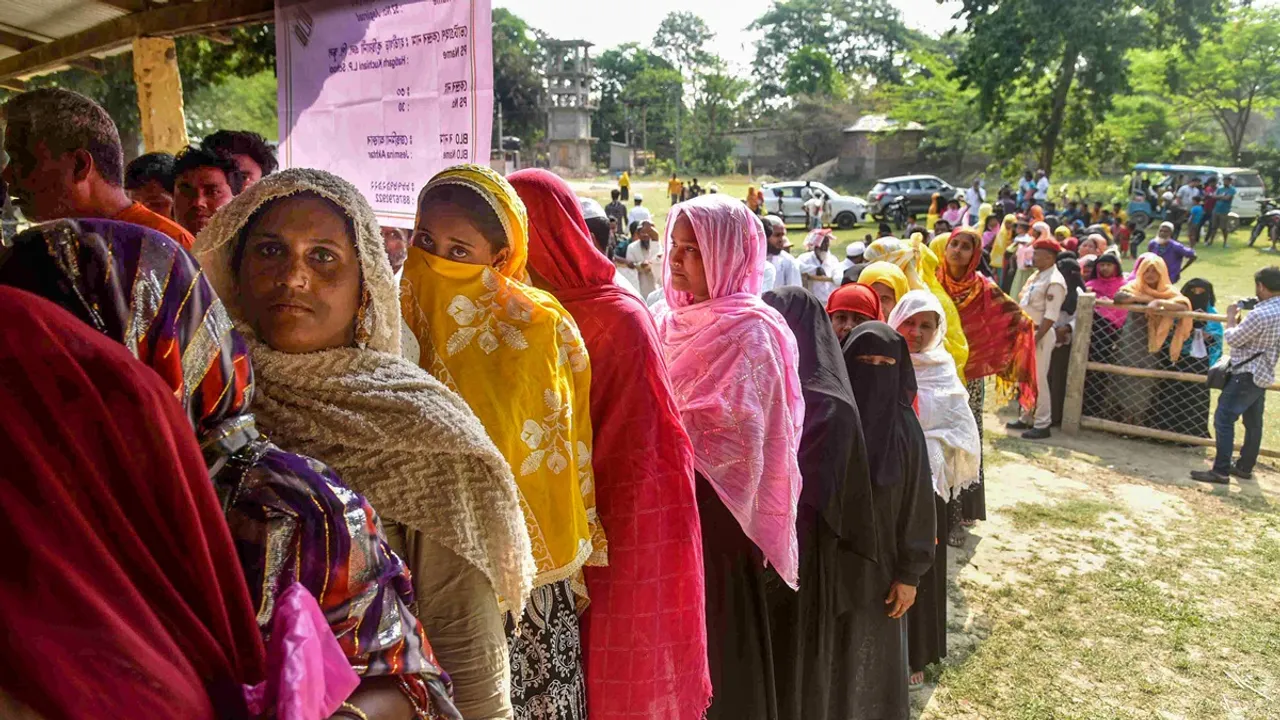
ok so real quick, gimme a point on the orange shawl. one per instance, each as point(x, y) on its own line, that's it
point(1158, 325)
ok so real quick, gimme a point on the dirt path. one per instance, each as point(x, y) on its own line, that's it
point(1107, 584)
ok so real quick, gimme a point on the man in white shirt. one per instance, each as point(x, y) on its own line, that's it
point(639, 213)
point(974, 197)
point(1184, 199)
point(818, 267)
point(813, 210)
point(644, 259)
point(1042, 188)
point(853, 255)
point(785, 266)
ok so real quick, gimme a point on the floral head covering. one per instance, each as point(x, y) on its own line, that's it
point(480, 326)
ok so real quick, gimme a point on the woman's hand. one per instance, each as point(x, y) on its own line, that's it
point(901, 598)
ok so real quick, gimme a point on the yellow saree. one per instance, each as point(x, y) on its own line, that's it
point(515, 355)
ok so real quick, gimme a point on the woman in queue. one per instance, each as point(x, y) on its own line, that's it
point(733, 365)
point(955, 452)
point(850, 306)
point(1001, 341)
point(871, 678)
point(835, 510)
point(300, 262)
point(887, 281)
point(480, 327)
point(289, 514)
point(649, 602)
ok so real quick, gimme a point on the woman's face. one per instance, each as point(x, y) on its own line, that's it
point(1150, 276)
point(448, 231)
point(299, 277)
point(844, 321)
point(1107, 270)
point(959, 253)
point(688, 274)
point(887, 299)
point(919, 330)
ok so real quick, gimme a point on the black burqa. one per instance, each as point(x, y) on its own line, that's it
point(835, 512)
point(869, 678)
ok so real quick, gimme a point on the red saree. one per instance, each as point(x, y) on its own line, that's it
point(120, 570)
point(1002, 338)
point(644, 634)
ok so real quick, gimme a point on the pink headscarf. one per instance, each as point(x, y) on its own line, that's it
point(733, 363)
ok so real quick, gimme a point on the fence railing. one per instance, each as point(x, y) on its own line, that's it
point(1115, 384)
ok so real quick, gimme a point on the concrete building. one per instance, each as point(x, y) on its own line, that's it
point(568, 105)
point(877, 146)
point(621, 157)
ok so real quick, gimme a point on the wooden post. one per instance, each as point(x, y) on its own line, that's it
point(155, 70)
point(1073, 402)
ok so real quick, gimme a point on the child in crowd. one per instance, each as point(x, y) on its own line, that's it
point(1123, 235)
point(1196, 218)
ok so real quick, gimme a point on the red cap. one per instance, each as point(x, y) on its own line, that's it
point(1047, 244)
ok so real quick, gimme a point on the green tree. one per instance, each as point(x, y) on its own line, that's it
point(861, 37)
point(638, 95)
point(811, 71)
point(1234, 77)
point(930, 95)
point(715, 112)
point(244, 103)
point(1045, 52)
point(517, 77)
point(814, 127)
point(681, 39)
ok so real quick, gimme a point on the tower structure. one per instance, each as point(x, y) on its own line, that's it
point(568, 104)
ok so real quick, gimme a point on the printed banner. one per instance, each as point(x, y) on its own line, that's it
point(385, 93)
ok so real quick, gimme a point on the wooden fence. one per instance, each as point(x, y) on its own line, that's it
point(1080, 366)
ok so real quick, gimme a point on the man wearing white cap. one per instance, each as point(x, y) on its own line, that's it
point(643, 265)
point(598, 224)
point(639, 213)
point(819, 268)
point(853, 255)
point(786, 271)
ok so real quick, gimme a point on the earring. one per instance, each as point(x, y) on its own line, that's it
point(364, 320)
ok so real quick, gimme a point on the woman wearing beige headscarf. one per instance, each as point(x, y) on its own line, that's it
point(300, 263)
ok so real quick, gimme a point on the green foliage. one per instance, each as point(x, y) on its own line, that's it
point(1045, 54)
point(862, 38)
point(247, 103)
point(714, 113)
point(517, 77)
point(814, 126)
point(930, 95)
point(680, 40)
point(1235, 76)
point(639, 92)
point(811, 71)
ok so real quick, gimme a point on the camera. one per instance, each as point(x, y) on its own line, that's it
point(1248, 303)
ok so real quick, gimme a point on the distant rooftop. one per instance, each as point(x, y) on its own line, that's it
point(879, 124)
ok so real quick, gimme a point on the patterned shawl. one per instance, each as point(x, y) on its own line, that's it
point(1002, 338)
point(292, 519)
point(477, 325)
point(733, 364)
point(645, 497)
point(1159, 325)
point(367, 411)
point(920, 264)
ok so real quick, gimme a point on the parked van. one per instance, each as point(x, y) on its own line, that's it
point(1162, 178)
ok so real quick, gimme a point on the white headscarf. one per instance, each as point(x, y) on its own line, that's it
point(950, 431)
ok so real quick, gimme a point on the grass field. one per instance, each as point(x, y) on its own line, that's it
point(1230, 269)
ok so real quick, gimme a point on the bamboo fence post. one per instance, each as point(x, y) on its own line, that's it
point(1073, 403)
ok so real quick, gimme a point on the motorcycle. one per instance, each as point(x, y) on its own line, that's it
point(1269, 219)
point(894, 212)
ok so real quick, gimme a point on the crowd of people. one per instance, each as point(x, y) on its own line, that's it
point(271, 459)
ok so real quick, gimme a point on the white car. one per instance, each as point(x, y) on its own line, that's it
point(786, 200)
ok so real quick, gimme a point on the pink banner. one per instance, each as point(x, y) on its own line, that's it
point(385, 93)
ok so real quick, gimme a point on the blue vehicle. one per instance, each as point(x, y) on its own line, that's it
point(1150, 181)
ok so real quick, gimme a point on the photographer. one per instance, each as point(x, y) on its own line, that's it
point(1255, 347)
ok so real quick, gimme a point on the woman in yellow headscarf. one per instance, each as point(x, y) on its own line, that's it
point(515, 355)
point(1004, 237)
point(920, 266)
point(889, 283)
point(935, 212)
